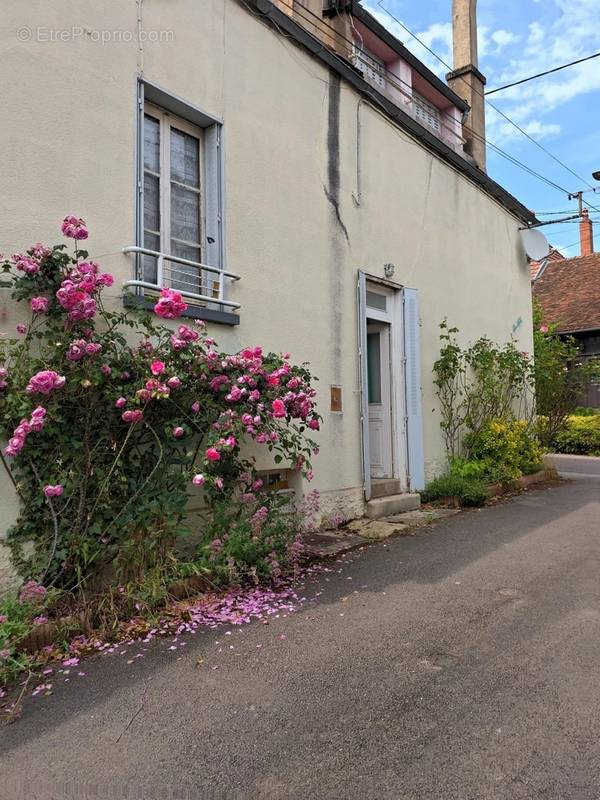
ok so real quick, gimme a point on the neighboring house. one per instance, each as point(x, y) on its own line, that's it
point(568, 290)
point(326, 192)
point(536, 266)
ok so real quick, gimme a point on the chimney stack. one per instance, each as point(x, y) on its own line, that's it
point(586, 234)
point(466, 79)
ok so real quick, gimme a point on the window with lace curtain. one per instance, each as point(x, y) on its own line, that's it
point(173, 207)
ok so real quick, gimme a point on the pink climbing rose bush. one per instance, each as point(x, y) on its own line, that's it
point(108, 434)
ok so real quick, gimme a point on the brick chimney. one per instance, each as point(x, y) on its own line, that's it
point(586, 234)
point(466, 79)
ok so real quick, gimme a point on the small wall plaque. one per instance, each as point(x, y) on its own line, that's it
point(336, 398)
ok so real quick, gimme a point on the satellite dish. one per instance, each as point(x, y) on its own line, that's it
point(535, 244)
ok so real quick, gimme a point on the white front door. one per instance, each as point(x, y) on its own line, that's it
point(379, 394)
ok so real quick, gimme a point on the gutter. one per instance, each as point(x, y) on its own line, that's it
point(282, 23)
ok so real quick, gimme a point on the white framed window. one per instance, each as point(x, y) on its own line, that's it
point(173, 212)
point(180, 199)
point(372, 67)
point(426, 113)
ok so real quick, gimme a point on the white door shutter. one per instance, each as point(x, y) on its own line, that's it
point(414, 410)
point(363, 382)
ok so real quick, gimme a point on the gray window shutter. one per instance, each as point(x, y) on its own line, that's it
point(139, 179)
point(213, 196)
point(414, 403)
point(363, 381)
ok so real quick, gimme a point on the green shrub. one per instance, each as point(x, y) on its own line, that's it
point(560, 375)
point(581, 436)
point(468, 491)
point(18, 616)
point(506, 450)
point(584, 411)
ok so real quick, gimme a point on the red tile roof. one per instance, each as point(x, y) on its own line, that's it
point(534, 266)
point(569, 292)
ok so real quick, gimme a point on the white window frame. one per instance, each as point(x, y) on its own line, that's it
point(167, 121)
point(218, 306)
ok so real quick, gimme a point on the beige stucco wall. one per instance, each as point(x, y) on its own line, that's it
point(68, 146)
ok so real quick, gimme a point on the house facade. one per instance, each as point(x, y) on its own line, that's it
point(298, 174)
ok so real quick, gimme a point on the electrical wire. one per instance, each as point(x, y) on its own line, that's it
point(299, 10)
point(542, 74)
point(481, 94)
point(399, 82)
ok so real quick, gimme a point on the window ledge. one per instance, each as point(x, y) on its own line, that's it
point(191, 312)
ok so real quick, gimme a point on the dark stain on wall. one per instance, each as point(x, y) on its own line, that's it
point(332, 190)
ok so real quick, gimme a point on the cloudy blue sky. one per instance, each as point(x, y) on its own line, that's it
point(518, 38)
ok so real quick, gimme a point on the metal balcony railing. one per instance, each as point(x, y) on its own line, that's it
point(402, 94)
point(201, 283)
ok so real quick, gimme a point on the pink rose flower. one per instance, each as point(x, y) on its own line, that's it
point(213, 454)
point(278, 407)
point(132, 416)
point(76, 350)
point(32, 592)
point(170, 304)
point(120, 402)
point(38, 415)
point(219, 483)
point(26, 264)
point(39, 305)
point(74, 228)
point(195, 407)
point(40, 251)
point(178, 432)
point(41, 620)
point(314, 424)
point(45, 382)
point(174, 382)
point(198, 480)
point(157, 367)
point(76, 301)
point(53, 491)
point(543, 329)
point(21, 328)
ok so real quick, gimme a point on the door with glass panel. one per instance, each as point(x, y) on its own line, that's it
point(379, 397)
point(172, 199)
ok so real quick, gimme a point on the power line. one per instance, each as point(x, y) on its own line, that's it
point(481, 94)
point(566, 247)
point(303, 11)
point(541, 74)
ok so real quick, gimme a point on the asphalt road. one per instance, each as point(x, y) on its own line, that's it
point(462, 663)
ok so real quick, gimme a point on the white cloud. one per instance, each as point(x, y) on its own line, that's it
point(503, 38)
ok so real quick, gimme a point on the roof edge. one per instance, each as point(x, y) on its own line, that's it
point(382, 32)
point(281, 22)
